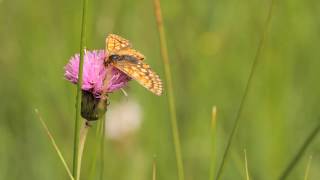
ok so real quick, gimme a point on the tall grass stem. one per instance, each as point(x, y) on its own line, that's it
point(154, 169)
point(169, 84)
point(300, 153)
point(44, 125)
point(213, 142)
point(306, 174)
point(246, 164)
point(79, 92)
point(246, 91)
point(95, 151)
point(82, 142)
point(102, 144)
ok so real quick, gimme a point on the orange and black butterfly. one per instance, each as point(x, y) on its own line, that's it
point(130, 62)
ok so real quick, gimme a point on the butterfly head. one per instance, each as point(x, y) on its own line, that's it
point(112, 58)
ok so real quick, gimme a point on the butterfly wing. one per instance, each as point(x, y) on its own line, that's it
point(121, 46)
point(134, 67)
point(115, 43)
point(142, 73)
point(131, 52)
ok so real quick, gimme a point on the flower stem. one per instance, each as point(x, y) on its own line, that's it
point(79, 92)
point(300, 153)
point(248, 84)
point(172, 108)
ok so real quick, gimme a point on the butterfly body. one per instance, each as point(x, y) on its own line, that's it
point(115, 57)
point(130, 62)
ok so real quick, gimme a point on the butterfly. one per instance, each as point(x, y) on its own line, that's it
point(130, 61)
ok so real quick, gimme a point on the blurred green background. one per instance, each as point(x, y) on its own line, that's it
point(211, 44)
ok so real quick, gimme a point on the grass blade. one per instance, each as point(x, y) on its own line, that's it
point(244, 97)
point(102, 143)
point(79, 92)
point(83, 138)
point(95, 151)
point(213, 142)
point(171, 100)
point(306, 174)
point(300, 153)
point(44, 125)
point(246, 164)
point(154, 169)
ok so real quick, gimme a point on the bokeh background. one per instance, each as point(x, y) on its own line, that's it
point(211, 44)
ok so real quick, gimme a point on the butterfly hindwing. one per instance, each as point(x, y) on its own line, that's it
point(142, 73)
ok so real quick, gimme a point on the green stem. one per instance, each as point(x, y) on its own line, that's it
point(95, 150)
point(154, 169)
point(172, 108)
point(82, 142)
point(79, 95)
point(244, 97)
point(300, 153)
point(246, 164)
point(44, 125)
point(306, 174)
point(213, 142)
point(103, 129)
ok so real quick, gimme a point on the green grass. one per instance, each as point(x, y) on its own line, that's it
point(307, 172)
point(247, 89)
point(169, 85)
point(211, 46)
point(312, 135)
point(213, 143)
point(246, 165)
point(78, 120)
point(45, 127)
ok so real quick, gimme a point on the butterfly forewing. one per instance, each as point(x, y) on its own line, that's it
point(142, 73)
point(115, 43)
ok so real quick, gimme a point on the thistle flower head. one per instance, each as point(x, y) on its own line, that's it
point(97, 78)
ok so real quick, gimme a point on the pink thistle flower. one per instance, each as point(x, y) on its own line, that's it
point(97, 78)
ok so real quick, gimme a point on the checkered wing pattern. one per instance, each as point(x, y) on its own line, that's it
point(142, 73)
point(137, 69)
point(115, 43)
